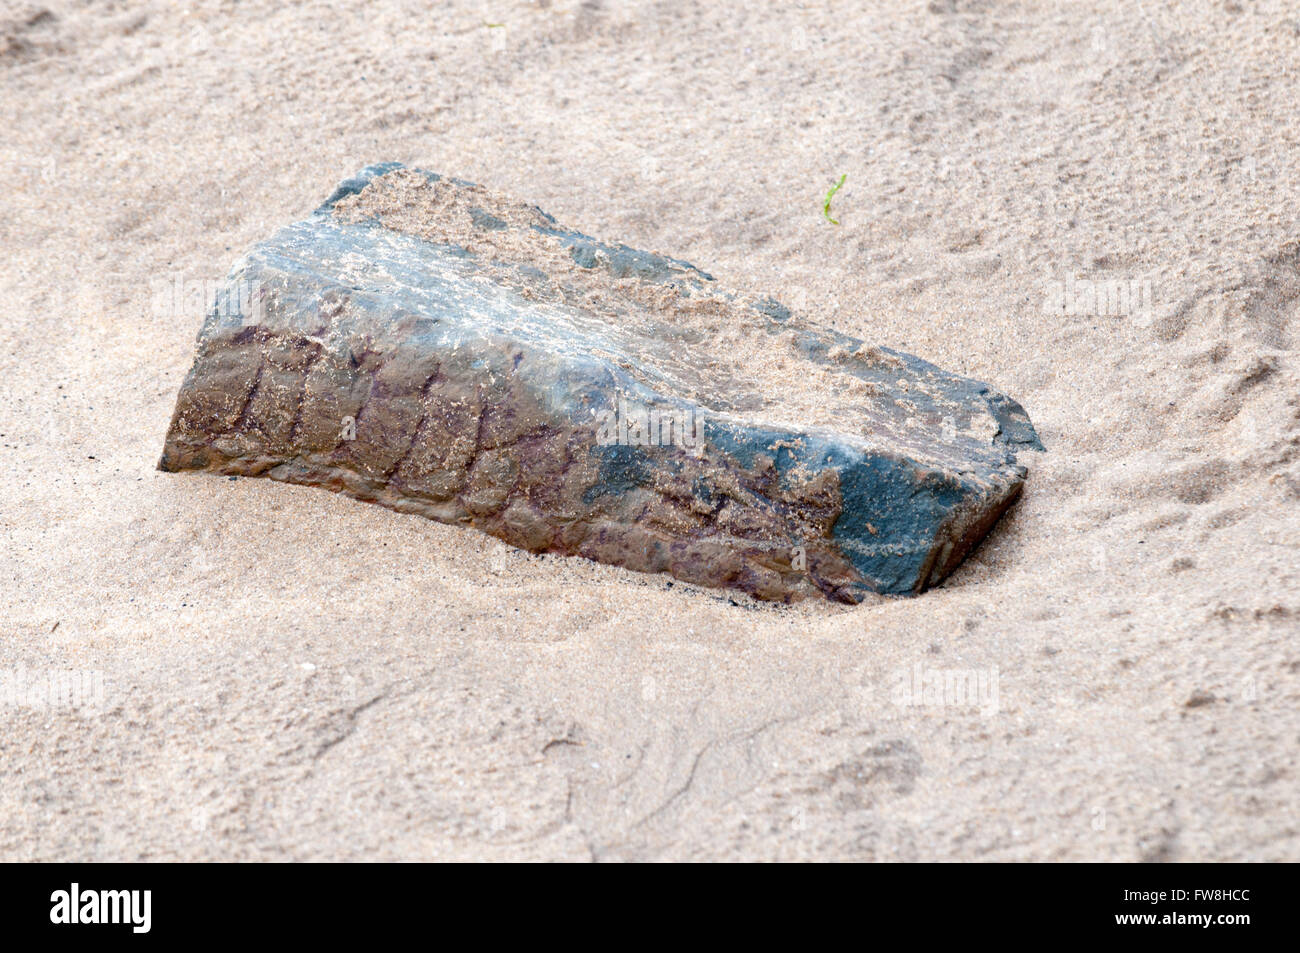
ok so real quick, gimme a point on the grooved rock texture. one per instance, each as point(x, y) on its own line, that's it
point(425, 344)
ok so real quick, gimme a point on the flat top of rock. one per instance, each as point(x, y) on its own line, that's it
point(673, 328)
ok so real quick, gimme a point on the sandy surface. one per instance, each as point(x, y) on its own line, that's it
point(290, 674)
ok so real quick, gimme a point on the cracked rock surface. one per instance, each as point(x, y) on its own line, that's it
point(428, 345)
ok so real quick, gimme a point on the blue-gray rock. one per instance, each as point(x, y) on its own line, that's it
point(425, 344)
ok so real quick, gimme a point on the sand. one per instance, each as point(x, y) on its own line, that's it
point(288, 674)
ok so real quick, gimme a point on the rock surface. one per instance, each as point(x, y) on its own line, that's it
point(425, 344)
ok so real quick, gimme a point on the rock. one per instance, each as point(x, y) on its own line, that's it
point(422, 343)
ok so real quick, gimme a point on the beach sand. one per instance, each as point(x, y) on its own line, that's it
point(289, 674)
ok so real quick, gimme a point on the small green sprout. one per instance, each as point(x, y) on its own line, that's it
point(826, 209)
